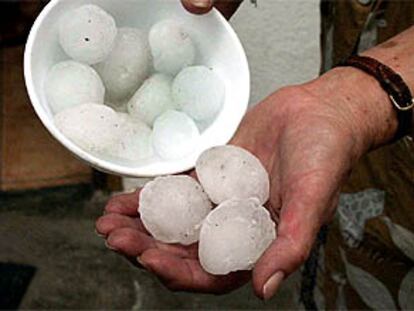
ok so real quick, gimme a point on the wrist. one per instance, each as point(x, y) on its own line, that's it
point(361, 102)
point(396, 54)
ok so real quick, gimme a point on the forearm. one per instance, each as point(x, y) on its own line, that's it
point(360, 97)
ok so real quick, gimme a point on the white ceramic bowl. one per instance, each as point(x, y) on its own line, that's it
point(219, 47)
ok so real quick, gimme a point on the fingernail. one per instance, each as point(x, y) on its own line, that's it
point(98, 234)
point(110, 246)
point(202, 4)
point(272, 285)
point(143, 264)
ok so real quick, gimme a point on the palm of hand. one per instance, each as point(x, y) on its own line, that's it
point(308, 152)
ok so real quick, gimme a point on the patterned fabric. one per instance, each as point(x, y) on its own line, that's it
point(367, 261)
point(354, 210)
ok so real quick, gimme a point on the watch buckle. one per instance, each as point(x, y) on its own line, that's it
point(402, 108)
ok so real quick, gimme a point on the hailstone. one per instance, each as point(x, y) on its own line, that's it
point(173, 208)
point(234, 236)
point(127, 66)
point(135, 142)
point(70, 83)
point(152, 99)
point(171, 47)
point(228, 172)
point(175, 135)
point(94, 127)
point(87, 34)
point(199, 92)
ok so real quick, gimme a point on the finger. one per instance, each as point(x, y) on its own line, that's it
point(301, 217)
point(198, 6)
point(110, 222)
point(226, 7)
point(132, 243)
point(186, 274)
point(124, 204)
point(284, 256)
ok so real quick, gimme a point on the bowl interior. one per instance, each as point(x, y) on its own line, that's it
point(218, 47)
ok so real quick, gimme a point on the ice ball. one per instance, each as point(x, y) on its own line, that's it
point(175, 135)
point(173, 208)
point(127, 66)
point(70, 83)
point(94, 127)
point(87, 34)
point(135, 142)
point(152, 99)
point(199, 92)
point(171, 46)
point(234, 236)
point(227, 172)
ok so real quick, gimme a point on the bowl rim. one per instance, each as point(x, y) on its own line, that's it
point(100, 164)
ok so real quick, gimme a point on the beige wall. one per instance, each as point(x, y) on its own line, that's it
point(281, 39)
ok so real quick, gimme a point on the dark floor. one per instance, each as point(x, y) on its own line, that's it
point(53, 231)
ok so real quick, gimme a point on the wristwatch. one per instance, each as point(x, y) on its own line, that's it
point(393, 84)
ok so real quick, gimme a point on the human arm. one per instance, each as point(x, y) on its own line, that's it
point(309, 137)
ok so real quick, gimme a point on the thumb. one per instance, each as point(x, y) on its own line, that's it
point(198, 6)
point(300, 220)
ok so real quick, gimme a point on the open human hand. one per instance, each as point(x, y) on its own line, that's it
point(176, 265)
point(308, 144)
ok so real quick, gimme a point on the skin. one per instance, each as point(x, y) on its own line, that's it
point(226, 7)
point(308, 137)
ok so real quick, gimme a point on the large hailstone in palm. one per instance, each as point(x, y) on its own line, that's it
point(152, 99)
point(127, 66)
point(175, 135)
point(135, 142)
point(173, 208)
point(93, 127)
point(87, 34)
point(228, 172)
point(70, 83)
point(199, 92)
point(234, 236)
point(171, 46)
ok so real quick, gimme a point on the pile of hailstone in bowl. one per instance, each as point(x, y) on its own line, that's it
point(130, 94)
point(233, 235)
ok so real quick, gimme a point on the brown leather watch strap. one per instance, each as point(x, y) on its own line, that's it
point(392, 83)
